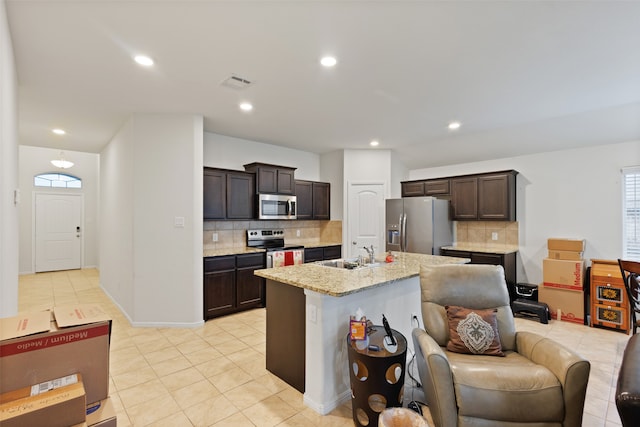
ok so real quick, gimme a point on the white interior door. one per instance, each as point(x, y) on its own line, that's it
point(58, 231)
point(366, 218)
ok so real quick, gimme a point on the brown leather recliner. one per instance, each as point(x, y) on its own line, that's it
point(537, 383)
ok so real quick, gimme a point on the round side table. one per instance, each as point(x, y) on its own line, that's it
point(376, 371)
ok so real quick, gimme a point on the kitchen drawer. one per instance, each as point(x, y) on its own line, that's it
point(251, 260)
point(220, 263)
point(312, 254)
point(608, 294)
point(610, 316)
point(606, 273)
point(332, 252)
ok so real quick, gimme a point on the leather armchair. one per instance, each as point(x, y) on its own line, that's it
point(628, 386)
point(537, 382)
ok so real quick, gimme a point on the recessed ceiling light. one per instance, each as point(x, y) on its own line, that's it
point(246, 106)
point(58, 131)
point(143, 60)
point(374, 143)
point(328, 61)
point(454, 125)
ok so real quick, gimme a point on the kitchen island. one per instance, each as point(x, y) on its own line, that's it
point(308, 309)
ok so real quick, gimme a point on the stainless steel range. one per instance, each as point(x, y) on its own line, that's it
point(278, 254)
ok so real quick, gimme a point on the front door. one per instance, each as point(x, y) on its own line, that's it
point(58, 227)
point(366, 219)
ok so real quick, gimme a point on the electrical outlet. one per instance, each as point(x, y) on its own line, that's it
point(297, 233)
point(417, 319)
point(215, 237)
point(494, 235)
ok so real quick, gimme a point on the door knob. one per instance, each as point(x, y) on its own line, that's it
point(354, 243)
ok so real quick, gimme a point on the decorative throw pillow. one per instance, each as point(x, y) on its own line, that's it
point(473, 331)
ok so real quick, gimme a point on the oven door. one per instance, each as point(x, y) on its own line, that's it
point(274, 206)
point(284, 258)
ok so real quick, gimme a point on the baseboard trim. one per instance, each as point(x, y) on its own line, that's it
point(326, 407)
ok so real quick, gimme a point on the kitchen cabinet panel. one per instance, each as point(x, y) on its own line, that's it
point(507, 261)
point(464, 198)
point(497, 197)
point(332, 252)
point(412, 188)
point(215, 191)
point(489, 196)
point(273, 179)
point(313, 254)
point(304, 199)
point(230, 285)
point(219, 286)
point(313, 200)
point(437, 187)
point(228, 194)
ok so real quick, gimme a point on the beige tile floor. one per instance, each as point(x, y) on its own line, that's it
point(215, 375)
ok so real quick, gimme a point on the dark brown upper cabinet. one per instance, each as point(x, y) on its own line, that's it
point(484, 197)
point(426, 187)
point(273, 179)
point(313, 200)
point(228, 194)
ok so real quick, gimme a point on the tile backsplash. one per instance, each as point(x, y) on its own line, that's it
point(482, 232)
point(234, 233)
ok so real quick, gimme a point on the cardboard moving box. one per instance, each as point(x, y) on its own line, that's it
point(563, 274)
point(100, 414)
point(567, 303)
point(573, 245)
point(565, 255)
point(33, 349)
point(57, 403)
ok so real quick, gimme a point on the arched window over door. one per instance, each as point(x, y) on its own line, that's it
point(57, 180)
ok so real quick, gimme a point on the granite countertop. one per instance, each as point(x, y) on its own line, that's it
point(485, 248)
point(340, 281)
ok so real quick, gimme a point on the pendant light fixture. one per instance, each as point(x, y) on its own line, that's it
point(61, 162)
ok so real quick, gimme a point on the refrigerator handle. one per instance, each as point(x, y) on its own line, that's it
point(403, 234)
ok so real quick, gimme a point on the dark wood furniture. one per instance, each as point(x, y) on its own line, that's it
point(609, 300)
point(228, 194)
point(313, 200)
point(478, 197)
point(230, 285)
point(273, 179)
point(630, 271)
point(322, 253)
point(286, 322)
point(507, 261)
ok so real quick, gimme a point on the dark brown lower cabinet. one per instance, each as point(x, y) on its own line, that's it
point(285, 349)
point(507, 261)
point(322, 253)
point(230, 285)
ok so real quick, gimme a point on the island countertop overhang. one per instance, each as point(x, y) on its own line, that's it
point(338, 282)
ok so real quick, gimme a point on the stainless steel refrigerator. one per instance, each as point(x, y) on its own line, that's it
point(418, 224)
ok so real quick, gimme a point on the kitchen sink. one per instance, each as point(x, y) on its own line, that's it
point(349, 264)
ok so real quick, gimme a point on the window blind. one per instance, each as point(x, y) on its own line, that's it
point(631, 213)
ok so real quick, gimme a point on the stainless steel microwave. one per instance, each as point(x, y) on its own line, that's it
point(276, 206)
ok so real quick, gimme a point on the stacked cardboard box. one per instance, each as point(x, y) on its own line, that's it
point(563, 279)
point(42, 346)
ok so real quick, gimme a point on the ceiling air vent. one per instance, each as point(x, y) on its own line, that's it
point(235, 82)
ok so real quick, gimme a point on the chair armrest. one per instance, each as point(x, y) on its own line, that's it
point(437, 380)
point(571, 369)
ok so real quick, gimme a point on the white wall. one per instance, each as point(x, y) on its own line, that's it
point(36, 160)
point(232, 153)
point(572, 193)
point(8, 171)
point(152, 177)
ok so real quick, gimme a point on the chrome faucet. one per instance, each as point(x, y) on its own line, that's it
point(371, 254)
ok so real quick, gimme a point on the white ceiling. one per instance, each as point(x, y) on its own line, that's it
point(521, 76)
